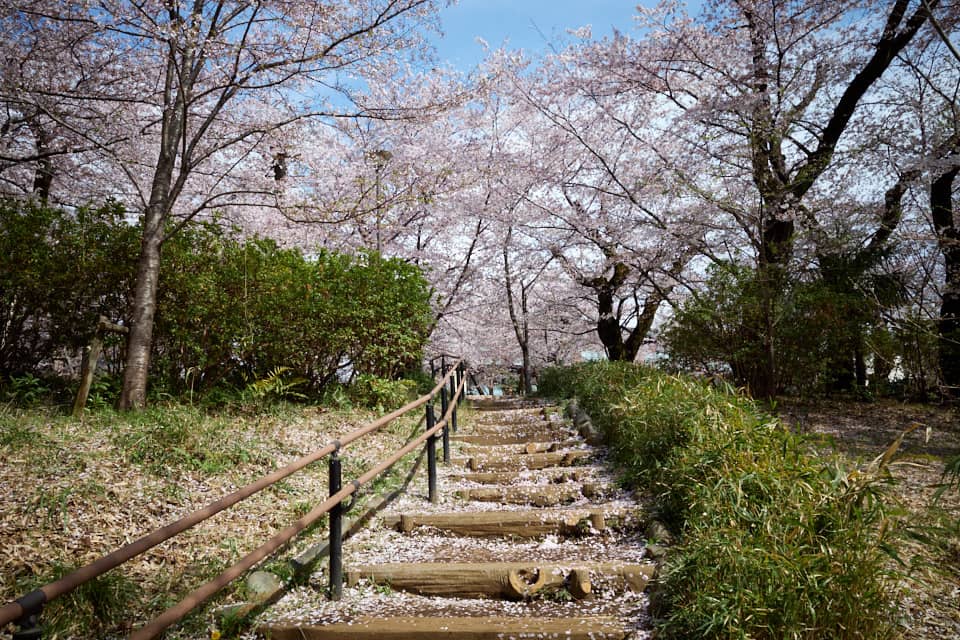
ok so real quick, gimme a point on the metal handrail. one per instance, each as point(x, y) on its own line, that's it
point(31, 603)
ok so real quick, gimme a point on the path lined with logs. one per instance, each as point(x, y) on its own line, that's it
point(530, 539)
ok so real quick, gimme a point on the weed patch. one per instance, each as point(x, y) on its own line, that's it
point(182, 438)
point(93, 609)
point(775, 541)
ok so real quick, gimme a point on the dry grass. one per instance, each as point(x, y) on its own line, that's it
point(930, 594)
point(74, 491)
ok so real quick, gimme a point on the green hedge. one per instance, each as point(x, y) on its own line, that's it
point(59, 271)
point(230, 310)
point(775, 540)
point(233, 311)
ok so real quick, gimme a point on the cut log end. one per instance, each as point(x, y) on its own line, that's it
point(578, 584)
point(524, 583)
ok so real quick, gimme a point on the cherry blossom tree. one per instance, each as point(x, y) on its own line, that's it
point(770, 92)
point(201, 96)
point(42, 146)
point(610, 220)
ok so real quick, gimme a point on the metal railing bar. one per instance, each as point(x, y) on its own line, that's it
point(206, 591)
point(310, 556)
point(32, 601)
point(199, 595)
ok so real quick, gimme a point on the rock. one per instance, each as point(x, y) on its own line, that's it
point(658, 532)
point(261, 585)
point(656, 551)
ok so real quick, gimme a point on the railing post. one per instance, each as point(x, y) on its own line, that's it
point(431, 455)
point(29, 628)
point(444, 405)
point(454, 398)
point(336, 530)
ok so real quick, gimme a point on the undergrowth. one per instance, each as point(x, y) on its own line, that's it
point(775, 540)
point(91, 610)
point(178, 437)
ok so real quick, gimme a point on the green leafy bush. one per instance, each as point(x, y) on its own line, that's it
point(380, 393)
point(775, 539)
point(26, 390)
point(233, 312)
point(230, 310)
point(277, 385)
point(825, 328)
point(59, 271)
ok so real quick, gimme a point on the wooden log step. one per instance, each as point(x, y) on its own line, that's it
point(506, 580)
point(482, 403)
point(504, 438)
point(550, 474)
point(523, 524)
point(453, 628)
point(528, 423)
point(514, 436)
point(532, 426)
point(539, 495)
point(519, 448)
point(527, 461)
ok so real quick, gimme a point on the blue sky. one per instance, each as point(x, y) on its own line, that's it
point(525, 24)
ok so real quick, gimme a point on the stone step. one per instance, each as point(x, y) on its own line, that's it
point(522, 524)
point(506, 580)
point(454, 628)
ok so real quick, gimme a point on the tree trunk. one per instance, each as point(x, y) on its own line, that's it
point(948, 237)
point(526, 375)
point(764, 380)
point(608, 324)
point(162, 196)
point(134, 393)
point(45, 171)
point(520, 321)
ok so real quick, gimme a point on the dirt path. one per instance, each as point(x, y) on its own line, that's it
point(530, 538)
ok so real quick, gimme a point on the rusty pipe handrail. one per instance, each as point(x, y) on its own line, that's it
point(202, 593)
point(33, 601)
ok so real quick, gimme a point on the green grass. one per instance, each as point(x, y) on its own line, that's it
point(182, 437)
point(775, 540)
point(89, 611)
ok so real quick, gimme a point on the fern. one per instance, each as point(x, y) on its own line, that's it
point(277, 385)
